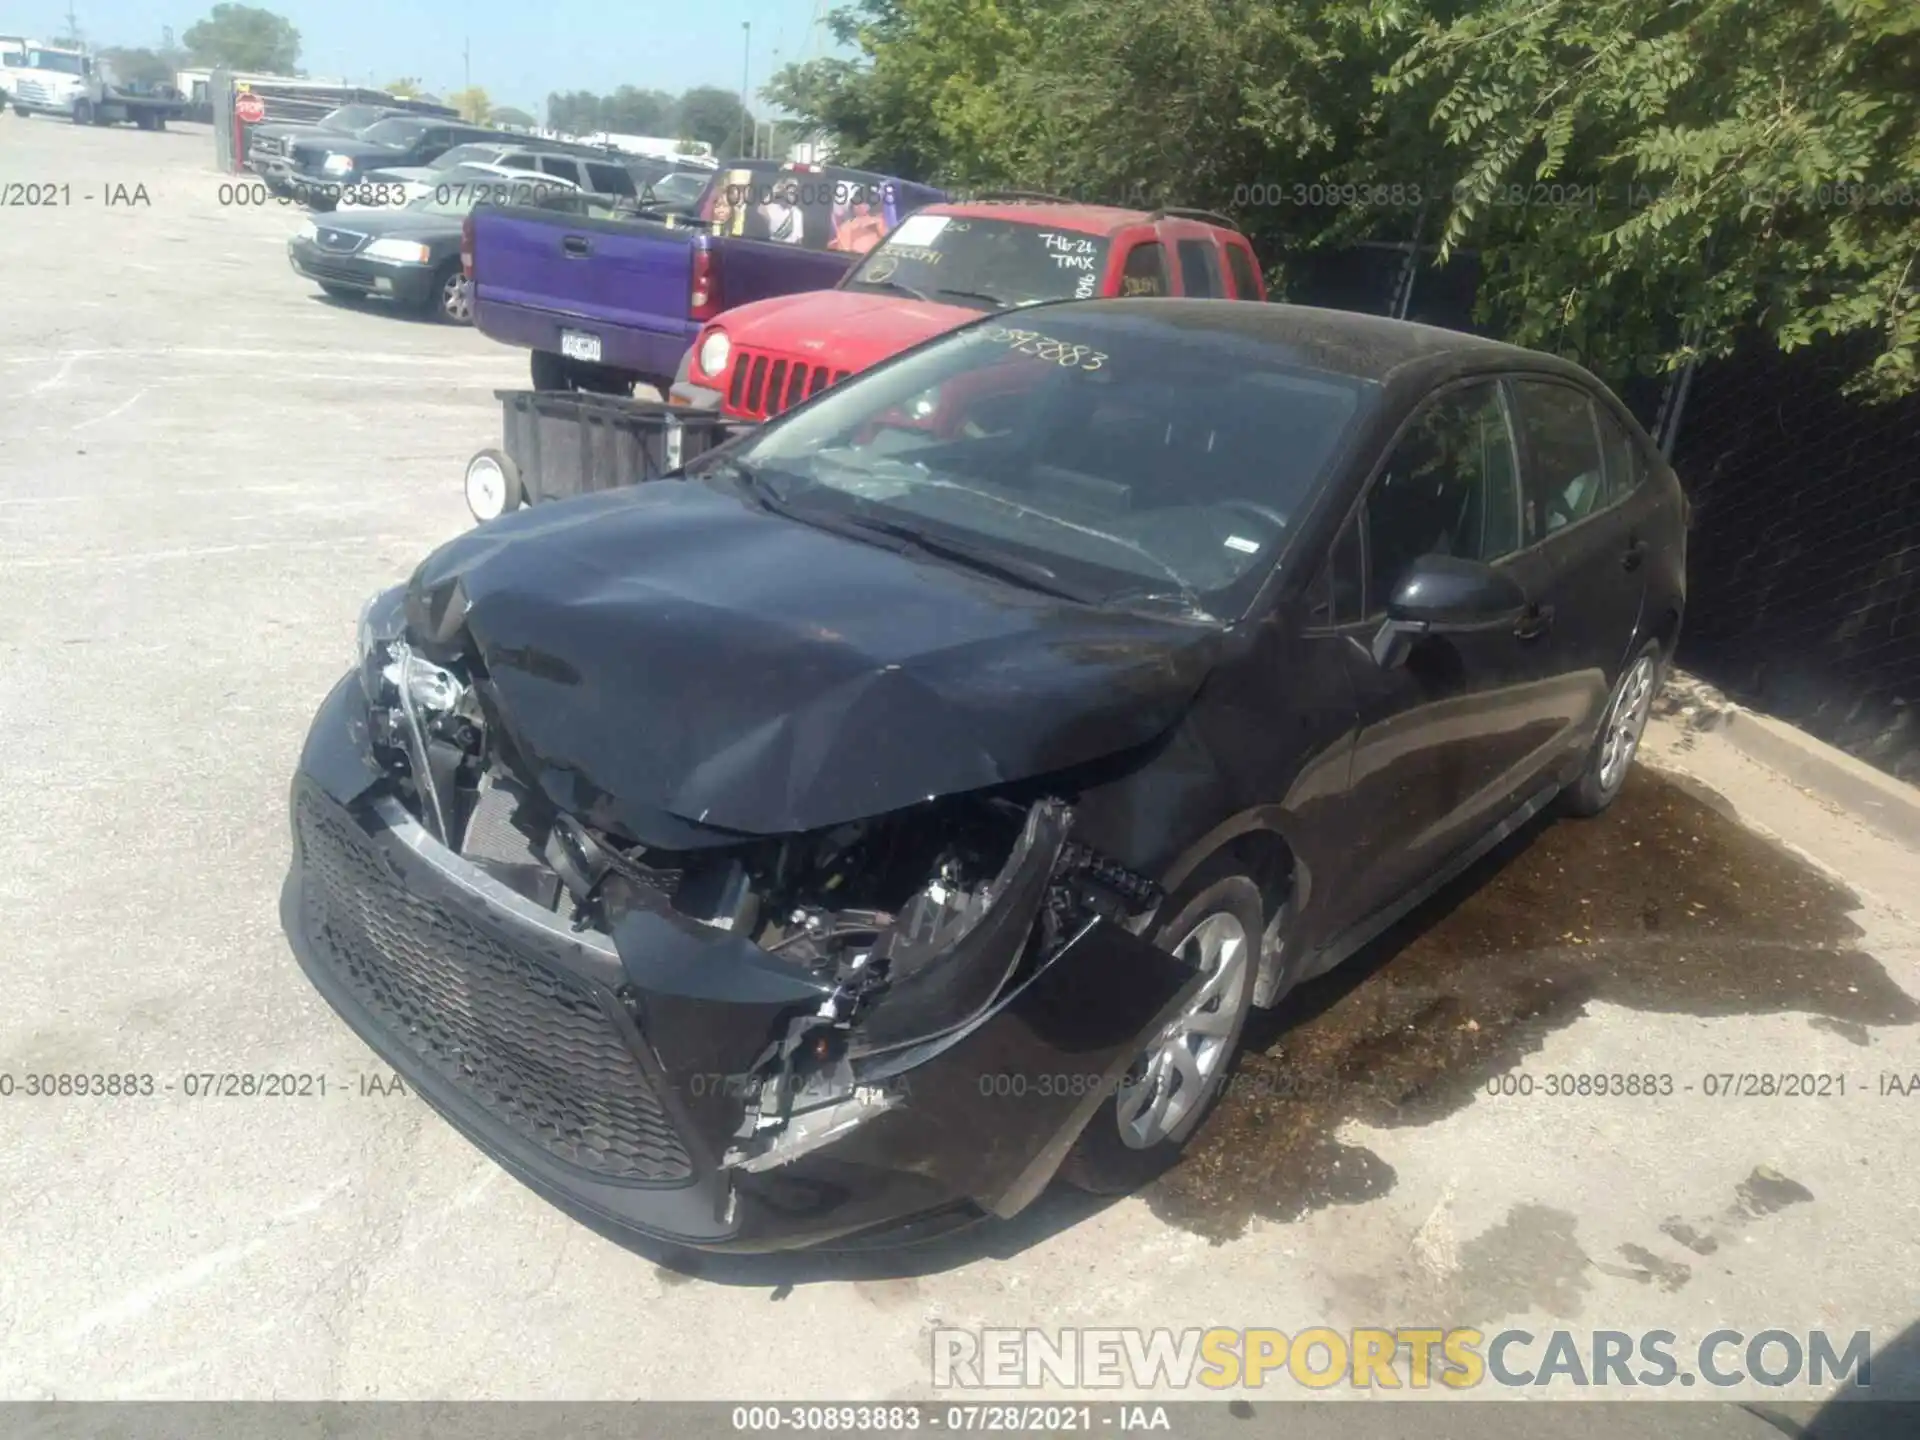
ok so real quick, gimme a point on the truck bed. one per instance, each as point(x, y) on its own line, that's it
point(626, 281)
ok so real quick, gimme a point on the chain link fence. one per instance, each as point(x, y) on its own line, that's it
point(1804, 558)
point(1803, 594)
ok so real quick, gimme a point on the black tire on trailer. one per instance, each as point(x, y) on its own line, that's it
point(550, 371)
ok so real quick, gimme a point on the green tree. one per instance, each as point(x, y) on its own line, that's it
point(630, 111)
point(577, 112)
point(1748, 168)
point(407, 87)
point(139, 66)
point(472, 104)
point(711, 114)
point(241, 37)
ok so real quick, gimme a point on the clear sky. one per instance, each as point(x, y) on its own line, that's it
point(520, 49)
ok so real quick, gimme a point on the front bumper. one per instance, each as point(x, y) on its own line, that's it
point(602, 1071)
point(408, 283)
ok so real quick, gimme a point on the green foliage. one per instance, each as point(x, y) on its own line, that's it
point(1640, 181)
point(139, 66)
point(242, 37)
point(713, 115)
point(472, 103)
point(705, 113)
point(407, 87)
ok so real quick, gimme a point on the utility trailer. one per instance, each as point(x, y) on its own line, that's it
point(556, 443)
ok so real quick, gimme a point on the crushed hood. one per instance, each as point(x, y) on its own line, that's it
point(674, 661)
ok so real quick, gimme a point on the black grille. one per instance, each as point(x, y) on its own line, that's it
point(340, 242)
point(529, 1044)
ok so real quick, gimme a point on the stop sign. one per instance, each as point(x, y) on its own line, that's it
point(249, 108)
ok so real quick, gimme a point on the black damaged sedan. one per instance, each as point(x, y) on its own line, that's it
point(904, 805)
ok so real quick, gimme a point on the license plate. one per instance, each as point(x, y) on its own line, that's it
point(577, 346)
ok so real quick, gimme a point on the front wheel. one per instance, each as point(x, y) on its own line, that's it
point(1174, 1081)
point(83, 112)
point(452, 296)
point(1619, 738)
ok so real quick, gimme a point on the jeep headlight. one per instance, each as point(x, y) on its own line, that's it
point(337, 165)
point(714, 351)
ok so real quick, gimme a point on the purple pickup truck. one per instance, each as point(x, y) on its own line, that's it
point(608, 295)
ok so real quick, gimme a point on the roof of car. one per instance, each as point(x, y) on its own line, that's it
point(1057, 215)
point(1342, 342)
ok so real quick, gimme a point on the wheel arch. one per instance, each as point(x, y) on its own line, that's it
point(1254, 843)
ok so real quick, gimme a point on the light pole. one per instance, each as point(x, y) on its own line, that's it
point(746, 55)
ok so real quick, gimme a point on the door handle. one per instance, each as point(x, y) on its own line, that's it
point(576, 246)
point(1635, 554)
point(1536, 621)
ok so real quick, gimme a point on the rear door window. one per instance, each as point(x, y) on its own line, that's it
point(517, 162)
point(1566, 476)
point(609, 180)
point(1626, 466)
point(561, 167)
point(1145, 272)
point(1199, 269)
point(1246, 284)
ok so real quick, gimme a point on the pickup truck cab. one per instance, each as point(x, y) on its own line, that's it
point(325, 167)
point(612, 296)
point(947, 264)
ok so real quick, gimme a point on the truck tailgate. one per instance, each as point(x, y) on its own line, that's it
point(621, 271)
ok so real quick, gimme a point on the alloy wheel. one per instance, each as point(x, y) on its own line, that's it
point(456, 299)
point(1626, 722)
point(1169, 1083)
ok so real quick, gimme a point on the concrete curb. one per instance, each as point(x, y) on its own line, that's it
point(1877, 799)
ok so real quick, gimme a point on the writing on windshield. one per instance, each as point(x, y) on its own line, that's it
point(995, 264)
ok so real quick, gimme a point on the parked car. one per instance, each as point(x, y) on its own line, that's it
point(81, 87)
point(605, 302)
point(411, 255)
point(592, 171)
point(943, 266)
point(270, 143)
point(321, 169)
point(922, 787)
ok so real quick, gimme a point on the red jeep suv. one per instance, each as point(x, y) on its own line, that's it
point(944, 265)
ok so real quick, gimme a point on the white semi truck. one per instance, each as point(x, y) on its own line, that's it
point(54, 80)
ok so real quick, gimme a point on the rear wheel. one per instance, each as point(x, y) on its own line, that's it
point(1619, 738)
point(1171, 1085)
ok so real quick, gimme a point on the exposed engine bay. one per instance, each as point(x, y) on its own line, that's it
point(892, 916)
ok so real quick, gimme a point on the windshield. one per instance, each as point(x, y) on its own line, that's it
point(988, 264)
point(57, 60)
point(395, 130)
point(469, 154)
point(1123, 459)
point(682, 188)
point(460, 189)
point(349, 118)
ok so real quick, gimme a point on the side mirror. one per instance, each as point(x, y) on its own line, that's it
point(1446, 595)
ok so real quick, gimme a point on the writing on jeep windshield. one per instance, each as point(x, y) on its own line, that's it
point(984, 264)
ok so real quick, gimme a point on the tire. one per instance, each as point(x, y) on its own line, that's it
point(341, 292)
point(83, 112)
point(451, 297)
point(550, 371)
point(1625, 721)
point(159, 122)
point(22, 111)
point(1122, 1149)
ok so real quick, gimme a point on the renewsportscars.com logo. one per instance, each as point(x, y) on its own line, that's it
point(1408, 1357)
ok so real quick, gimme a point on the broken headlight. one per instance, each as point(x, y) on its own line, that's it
point(383, 619)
